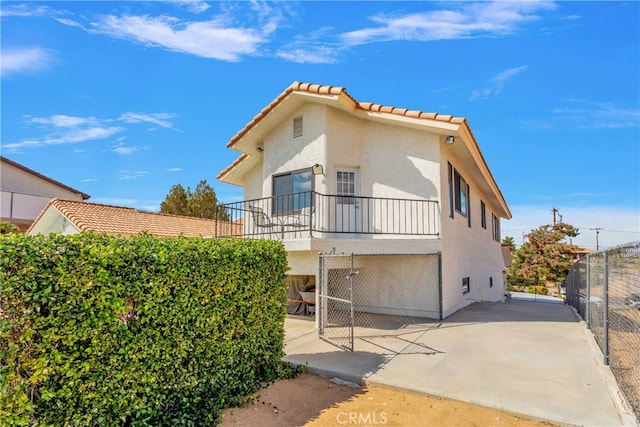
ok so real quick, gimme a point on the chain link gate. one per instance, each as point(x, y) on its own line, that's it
point(361, 295)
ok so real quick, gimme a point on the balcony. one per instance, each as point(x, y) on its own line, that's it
point(314, 215)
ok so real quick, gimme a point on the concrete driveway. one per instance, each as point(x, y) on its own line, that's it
point(526, 357)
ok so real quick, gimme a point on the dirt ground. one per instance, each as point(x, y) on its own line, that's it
point(310, 400)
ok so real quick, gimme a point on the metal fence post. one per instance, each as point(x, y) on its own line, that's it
point(605, 313)
point(440, 283)
point(587, 311)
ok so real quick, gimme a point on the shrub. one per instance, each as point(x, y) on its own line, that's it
point(108, 330)
point(539, 290)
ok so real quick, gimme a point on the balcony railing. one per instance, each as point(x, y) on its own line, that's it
point(311, 214)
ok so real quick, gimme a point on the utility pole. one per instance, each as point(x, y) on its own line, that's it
point(597, 230)
point(555, 211)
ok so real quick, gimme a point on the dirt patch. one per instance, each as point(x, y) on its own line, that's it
point(310, 400)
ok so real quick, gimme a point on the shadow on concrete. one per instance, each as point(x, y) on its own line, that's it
point(514, 311)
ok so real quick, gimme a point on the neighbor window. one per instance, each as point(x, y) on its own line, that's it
point(465, 286)
point(292, 191)
point(461, 190)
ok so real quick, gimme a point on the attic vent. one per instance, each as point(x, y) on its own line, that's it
point(297, 126)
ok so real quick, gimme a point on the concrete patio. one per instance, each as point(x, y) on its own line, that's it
point(530, 358)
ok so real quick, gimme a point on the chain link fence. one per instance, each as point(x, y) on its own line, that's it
point(362, 298)
point(605, 289)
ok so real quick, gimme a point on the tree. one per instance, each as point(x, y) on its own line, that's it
point(176, 202)
point(545, 256)
point(509, 242)
point(201, 203)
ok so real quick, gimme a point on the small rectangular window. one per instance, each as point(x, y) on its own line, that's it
point(483, 215)
point(461, 190)
point(491, 282)
point(466, 288)
point(297, 127)
point(495, 227)
point(450, 188)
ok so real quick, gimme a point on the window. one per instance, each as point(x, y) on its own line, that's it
point(450, 188)
point(466, 288)
point(495, 227)
point(461, 193)
point(483, 214)
point(297, 127)
point(346, 187)
point(491, 282)
point(292, 191)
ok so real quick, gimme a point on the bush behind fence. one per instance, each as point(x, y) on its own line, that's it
point(605, 289)
point(141, 331)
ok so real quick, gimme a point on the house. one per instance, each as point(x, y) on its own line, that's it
point(25, 192)
point(404, 196)
point(71, 217)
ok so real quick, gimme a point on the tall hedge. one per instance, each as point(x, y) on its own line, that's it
point(136, 331)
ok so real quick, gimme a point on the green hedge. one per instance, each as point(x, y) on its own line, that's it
point(140, 331)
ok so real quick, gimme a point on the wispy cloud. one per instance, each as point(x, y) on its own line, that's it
point(25, 10)
point(160, 119)
point(89, 180)
point(598, 115)
point(497, 83)
point(64, 129)
point(193, 6)
point(174, 169)
point(24, 60)
point(125, 150)
point(467, 20)
point(126, 175)
point(208, 39)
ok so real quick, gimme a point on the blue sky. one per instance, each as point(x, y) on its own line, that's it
point(122, 100)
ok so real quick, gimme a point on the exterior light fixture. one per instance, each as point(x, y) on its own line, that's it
point(260, 149)
point(317, 169)
point(450, 140)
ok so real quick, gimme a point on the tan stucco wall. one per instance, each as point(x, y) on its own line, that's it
point(468, 251)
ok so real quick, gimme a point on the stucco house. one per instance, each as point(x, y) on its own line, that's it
point(407, 192)
point(25, 192)
point(72, 217)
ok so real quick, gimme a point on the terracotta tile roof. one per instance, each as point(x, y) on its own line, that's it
point(118, 220)
point(85, 196)
point(342, 92)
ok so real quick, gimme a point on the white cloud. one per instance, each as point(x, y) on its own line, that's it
point(482, 19)
point(174, 170)
point(125, 150)
point(309, 54)
point(26, 60)
point(208, 39)
point(64, 129)
point(497, 83)
point(160, 119)
point(89, 180)
point(193, 6)
point(25, 10)
point(130, 175)
point(61, 120)
point(617, 225)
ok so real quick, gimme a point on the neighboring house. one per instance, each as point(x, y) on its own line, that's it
point(26, 192)
point(71, 217)
point(327, 174)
